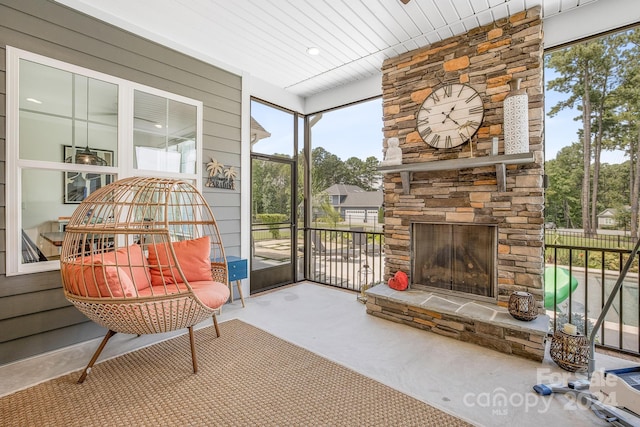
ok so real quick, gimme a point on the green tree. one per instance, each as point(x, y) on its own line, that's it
point(562, 201)
point(614, 183)
point(354, 172)
point(364, 174)
point(623, 217)
point(331, 216)
point(372, 178)
point(588, 73)
point(326, 169)
point(628, 121)
point(271, 187)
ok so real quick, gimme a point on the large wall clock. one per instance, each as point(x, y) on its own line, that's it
point(450, 115)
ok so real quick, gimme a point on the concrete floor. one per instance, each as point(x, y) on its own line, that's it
point(479, 385)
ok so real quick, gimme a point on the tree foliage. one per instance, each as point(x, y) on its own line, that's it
point(271, 181)
point(328, 169)
point(628, 121)
point(562, 202)
point(601, 80)
point(271, 187)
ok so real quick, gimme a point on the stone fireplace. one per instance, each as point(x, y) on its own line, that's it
point(466, 221)
point(456, 258)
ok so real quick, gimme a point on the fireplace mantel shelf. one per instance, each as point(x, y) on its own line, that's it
point(499, 162)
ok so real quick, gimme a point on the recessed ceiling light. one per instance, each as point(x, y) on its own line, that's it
point(313, 51)
point(158, 125)
point(35, 101)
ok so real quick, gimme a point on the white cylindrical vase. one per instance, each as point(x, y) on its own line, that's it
point(516, 120)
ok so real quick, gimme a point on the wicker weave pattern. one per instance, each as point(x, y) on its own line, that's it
point(570, 352)
point(102, 246)
point(146, 317)
point(523, 306)
point(219, 272)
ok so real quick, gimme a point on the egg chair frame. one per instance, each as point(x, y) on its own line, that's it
point(143, 255)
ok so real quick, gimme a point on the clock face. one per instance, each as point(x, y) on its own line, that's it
point(450, 116)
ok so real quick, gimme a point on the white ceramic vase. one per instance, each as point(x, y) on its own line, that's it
point(516, 120)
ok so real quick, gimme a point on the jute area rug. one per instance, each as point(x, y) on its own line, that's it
point(246, 377)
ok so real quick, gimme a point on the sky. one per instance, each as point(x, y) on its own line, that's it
point(356, 131)
point(561, 130)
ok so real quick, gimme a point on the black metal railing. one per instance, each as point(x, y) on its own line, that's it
point(603, 239)
point(345, 258)
point(578, 282)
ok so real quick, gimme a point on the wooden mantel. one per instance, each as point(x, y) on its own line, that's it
point(499, 162)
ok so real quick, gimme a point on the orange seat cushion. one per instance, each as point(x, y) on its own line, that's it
point(192, 258)
point(212, 294)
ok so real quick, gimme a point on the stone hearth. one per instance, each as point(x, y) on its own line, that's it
point(485, 324)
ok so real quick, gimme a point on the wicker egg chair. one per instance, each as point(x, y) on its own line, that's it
point(142, 256)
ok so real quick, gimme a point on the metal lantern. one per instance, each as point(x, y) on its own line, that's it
point(523, 306)
point(366, 282)
point(570, 351)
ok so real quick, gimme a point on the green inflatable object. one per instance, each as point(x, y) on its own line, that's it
point(563, 289)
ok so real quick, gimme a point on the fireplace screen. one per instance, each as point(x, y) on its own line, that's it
point(459, 258)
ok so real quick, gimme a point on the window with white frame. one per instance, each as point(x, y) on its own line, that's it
point(72, 130)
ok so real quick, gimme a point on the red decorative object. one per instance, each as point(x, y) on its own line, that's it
point(400, 281)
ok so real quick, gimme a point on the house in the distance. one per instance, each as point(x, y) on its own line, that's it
point(607, 218)
point(611, 218)
point(355, 204)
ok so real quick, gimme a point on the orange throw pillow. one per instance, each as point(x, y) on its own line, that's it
point(132, 260)
point(99, 280)
point(192, 257)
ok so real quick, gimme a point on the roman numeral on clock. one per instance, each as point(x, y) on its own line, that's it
point(423, 121)
point(447, 141)
point(475, 110)
point(472, 97)
point(435, 140)
point(424, 133)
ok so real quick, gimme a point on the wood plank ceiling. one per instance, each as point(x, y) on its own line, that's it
point(269, 39)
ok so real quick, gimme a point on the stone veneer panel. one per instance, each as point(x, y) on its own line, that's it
point(487, 58)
